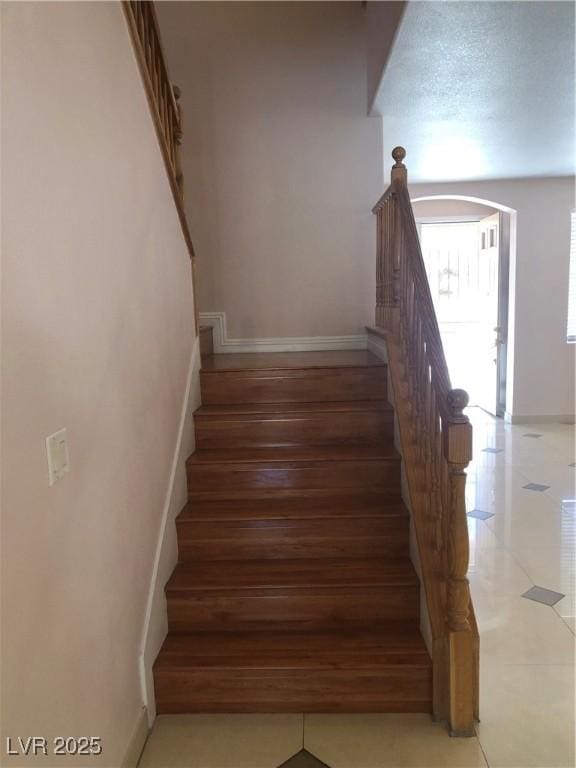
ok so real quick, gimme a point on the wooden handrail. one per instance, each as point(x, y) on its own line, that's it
point(436, 442)
point(164, 102)
point(146, 36)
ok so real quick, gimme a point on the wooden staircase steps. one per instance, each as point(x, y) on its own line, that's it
point(266, 507)
point(284, 424)
point(305, 467)
point(298, 593)
point(294, 589)
point(294, 384)
point(376, 670)
point(354, 526)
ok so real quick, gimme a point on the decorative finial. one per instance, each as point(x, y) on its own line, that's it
point(458, 400)
point(399, 174)
point(398, 154)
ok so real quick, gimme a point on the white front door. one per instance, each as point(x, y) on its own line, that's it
point(488, 330)
point(461, 261)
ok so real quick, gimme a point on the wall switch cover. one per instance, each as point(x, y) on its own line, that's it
point(58, 458)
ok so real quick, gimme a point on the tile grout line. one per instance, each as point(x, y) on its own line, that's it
point(564, 620)
point(483, 752)
point(530, 579)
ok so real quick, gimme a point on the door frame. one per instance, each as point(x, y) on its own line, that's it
point(506, 285)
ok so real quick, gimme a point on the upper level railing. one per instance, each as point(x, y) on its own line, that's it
point(143, 22)
point(436, 440)
point(163, 100)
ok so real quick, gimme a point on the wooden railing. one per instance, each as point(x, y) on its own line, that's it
point(163, 100)
point(436, 443)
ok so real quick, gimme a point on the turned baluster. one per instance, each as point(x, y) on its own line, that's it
point(389, 274)
point(380, 236)
point(178, 140)
point(419, 374)
point(436, 491)
point(402, 304)
point(383, 295)
point(412, 328)
point(403, 294)
point(427, 420)
point(420, 371)
point(379, 217)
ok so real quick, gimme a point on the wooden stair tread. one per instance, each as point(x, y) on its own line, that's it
point(282, 360)
point(399, 644)
point(286, 409)
point(296, 574)
point(296, 454)
point(295, 508)
point(273, 494)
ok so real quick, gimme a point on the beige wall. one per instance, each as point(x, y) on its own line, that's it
point(541, 368)
point(438, 208)
point(382, 21)
point(97, 336)
point(281, 164)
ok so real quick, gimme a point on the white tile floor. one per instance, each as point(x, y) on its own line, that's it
point(527, 649)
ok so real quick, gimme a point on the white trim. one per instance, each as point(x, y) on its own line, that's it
point(164, 558)
point(472, 218)
point(544, 418)
point(466, 198)
point(224, 344)
point(137, 741)
point(377, 345)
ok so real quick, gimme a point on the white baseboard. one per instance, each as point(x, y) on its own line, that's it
point(546, 418)
point(155, 621)
point(223, 343)
point(377, 345)
point(137, 741)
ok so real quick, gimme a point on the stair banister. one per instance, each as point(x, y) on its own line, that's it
point(165, 107)
point(436, 442)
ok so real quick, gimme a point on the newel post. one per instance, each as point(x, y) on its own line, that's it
point(458, 452)
point(389, 243)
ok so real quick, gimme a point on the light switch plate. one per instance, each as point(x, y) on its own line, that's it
point(58, 458)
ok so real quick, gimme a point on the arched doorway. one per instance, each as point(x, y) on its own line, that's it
point(467, 245)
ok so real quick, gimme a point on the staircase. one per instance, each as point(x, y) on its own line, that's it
point(294, 591)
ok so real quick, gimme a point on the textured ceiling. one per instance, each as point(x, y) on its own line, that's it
point(480, 90)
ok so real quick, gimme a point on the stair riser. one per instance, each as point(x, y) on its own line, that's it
point(304, 385)
point(376, 475)
point(318, 429)
point(225, 497)
point(264, 539)
point(318, 609)
point(388, 689)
